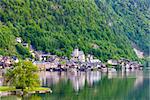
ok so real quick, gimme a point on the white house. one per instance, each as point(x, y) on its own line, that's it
point(18, 39)
point(112, 62)
point(15, 59)
point(89, 58)
point(95, 61)
point(78, 55)
point(81, 56)
point(75, 53)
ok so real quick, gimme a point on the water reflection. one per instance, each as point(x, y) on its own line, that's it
point(93, 85)
point(1, 78)
point(78, 79)
point(97, 86)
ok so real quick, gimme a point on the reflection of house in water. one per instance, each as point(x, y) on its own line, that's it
point(48, 78)
point(78, 81)
point(1, 78)
point(1, 81)
point(112, 75)
point(139, 78)
point(93, 76)
point(51, 78)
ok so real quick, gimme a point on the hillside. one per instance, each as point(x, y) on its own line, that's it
point(58, 26)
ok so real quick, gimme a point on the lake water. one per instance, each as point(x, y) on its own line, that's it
point(92, 86)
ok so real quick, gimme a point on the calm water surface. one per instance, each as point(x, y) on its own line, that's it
point(92, 86)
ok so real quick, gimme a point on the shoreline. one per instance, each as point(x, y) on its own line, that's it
point(7, 90)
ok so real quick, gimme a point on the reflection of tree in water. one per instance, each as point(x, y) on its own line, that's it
point(105, 89)
point(10, 97)
point(33, 97)
point(93, 86)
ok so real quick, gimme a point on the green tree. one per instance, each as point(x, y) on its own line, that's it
point(24, 52)
point(56, 25)
point(23, 75)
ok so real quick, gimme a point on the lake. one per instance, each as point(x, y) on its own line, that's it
point(92, 85)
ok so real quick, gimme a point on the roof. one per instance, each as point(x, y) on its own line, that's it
point(81, 53)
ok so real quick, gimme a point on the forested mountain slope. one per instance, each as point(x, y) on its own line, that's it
point(105, 28)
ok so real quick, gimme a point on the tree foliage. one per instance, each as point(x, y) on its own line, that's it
point(23, 75)
point(58, 26)
point(7, 40)
point(23, 51)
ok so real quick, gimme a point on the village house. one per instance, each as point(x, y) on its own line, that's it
point(95, 61)
point(15, 59)
point(112, 62)
point(78, 56)
point(81, 56)
point(5, 61)
point(18, 39)
point(38, 55)
point(42, 56)
point(90, 59)
point(129, 65)
point(132, 65)
point(1, 57)
point(42, 65)
point(25, 45)
point(75, 53)
point(49, 63)
point(31, 48)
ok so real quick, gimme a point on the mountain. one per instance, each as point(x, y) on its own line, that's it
point(104, 28)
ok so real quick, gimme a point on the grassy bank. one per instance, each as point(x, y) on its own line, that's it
point(9, 89)
point(6, 88)
point(36, 89)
